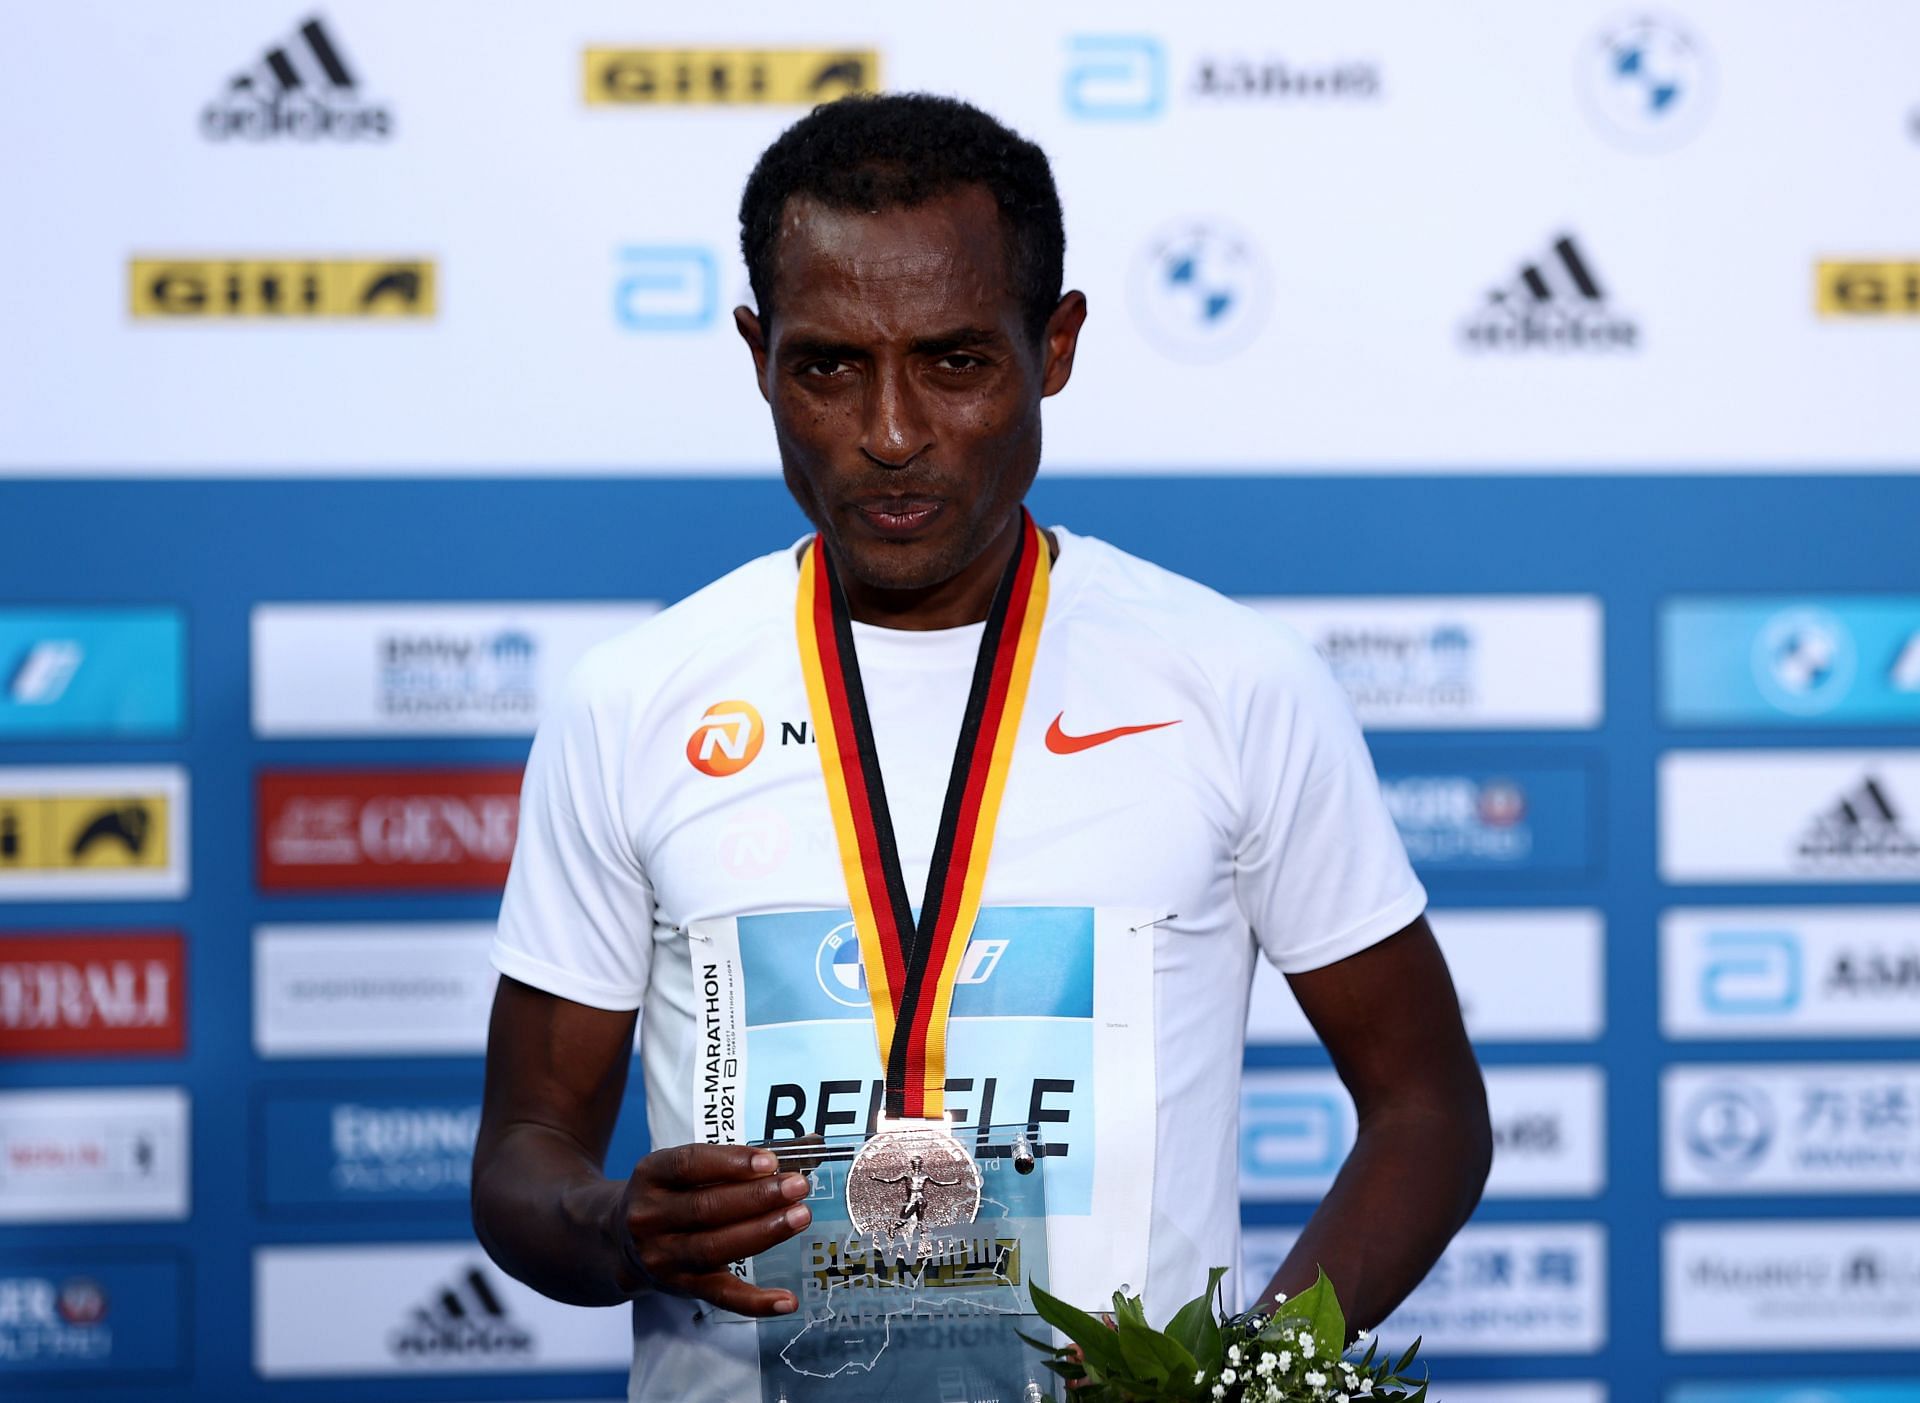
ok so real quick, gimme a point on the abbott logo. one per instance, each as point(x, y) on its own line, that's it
point(1750, 973)
point(727, 739)
point(1115, 77)
point(1290, 1134)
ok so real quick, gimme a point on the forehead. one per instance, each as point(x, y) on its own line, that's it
point(944, 256)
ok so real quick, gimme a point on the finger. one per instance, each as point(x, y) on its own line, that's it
point(729, 1292)
point(688, 1166)
point(715, 1205)
point(694, 1254)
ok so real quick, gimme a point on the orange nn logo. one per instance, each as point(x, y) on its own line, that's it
point(727, 739)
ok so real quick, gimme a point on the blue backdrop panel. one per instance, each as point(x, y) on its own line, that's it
point(213, 549)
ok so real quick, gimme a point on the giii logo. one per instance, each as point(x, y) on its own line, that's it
point(727, 739)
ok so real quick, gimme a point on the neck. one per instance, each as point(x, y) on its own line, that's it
point(965, 598)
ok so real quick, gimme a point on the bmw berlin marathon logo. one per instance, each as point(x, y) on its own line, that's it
point(1200, 290)
point(1646, 83)
point(844, 979)
point(1804, 661)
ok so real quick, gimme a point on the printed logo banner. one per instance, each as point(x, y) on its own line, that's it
point(1549, 1132)
point(94, 673)
point(72, 1315)
point(322, 830)
point(1521, 976)
point(787, 1049)
point(1818, 660)
point(1499, 1289)
point(93, 832)
point(81, 992)
point(1790, 816)
point(359, 1145)
point(618, 77)
point(1791, 1128)
point(1790, 972)
point(1533, 820)
point(280, 288)
point(117, 1155)
point(419, 669)
point(1775, 1286)
point(417, 989)
point(1469, 662)
point(1805, 1391)
point(417, 1308)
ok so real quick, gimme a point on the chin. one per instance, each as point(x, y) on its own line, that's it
point(901, 565)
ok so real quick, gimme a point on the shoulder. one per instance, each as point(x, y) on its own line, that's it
point(1237, 648)
point(680, 647)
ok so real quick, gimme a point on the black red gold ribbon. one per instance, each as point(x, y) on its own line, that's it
point(911, 966)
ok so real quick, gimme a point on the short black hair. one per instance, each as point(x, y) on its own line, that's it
point(899, 150)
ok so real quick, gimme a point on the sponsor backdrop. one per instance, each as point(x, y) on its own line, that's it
point(1543, 366)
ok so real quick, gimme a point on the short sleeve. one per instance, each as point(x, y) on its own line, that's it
point(577, 917)
point(1319, 869)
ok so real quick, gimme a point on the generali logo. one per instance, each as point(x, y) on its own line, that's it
point(92, 992)
point(726, 739)
point(387, 829)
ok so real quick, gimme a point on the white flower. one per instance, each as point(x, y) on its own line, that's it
point(1199, 1376)
point(1265, 1366)
point(1363, 1336)
point(1341, 1398)
point(1306, 1344)
point(1366, 1387)
point(1233, 1354)
point(1219, 1390)
point(1316, 1379)
point(1286, 1359)
point(1228, 1376)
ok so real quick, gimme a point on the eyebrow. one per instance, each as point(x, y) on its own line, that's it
point(940, 344)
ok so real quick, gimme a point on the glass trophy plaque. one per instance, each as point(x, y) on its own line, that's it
point(906, 1311)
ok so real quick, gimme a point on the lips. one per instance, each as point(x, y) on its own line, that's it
point(899, 516)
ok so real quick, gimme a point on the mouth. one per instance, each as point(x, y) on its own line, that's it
point(899, 518)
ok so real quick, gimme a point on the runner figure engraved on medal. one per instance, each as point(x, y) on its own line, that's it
point(906, 1183)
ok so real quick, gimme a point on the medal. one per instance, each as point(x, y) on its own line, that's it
point(914, 1173)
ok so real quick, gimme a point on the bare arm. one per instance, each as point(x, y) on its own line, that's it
point(1391, 1021)
point(548, 1215)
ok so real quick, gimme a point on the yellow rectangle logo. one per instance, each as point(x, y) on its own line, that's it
point(1868, 288)
point(727, 77)
point(73, 832)
point(286, 289)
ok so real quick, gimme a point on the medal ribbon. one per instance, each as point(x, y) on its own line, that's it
point(911, 967)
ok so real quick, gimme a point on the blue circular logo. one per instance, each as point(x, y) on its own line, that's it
point(1804, 661)
point(1200, 290)
point(837, 966)
point(1647, 83)
point(1728, 1128)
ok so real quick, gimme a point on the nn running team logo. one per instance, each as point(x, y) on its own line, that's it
point(727, 738)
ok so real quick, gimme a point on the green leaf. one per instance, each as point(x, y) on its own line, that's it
point(1194, 1326)
point(1407, 1358)
point(1095, 1337)
point(1318, 1309)
point(1157, 1358)
point(1130, 1308)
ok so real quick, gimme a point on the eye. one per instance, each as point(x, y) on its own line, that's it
point(824, 369)
point(959, 361)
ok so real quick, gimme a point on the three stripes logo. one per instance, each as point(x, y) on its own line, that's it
point(1556, 303)
point(302, 89)
point(464, 1319)
point(1863, 825)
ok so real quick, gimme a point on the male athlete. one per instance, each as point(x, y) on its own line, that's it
point(1185, 790)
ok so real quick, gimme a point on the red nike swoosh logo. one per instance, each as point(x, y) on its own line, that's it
point(1060, 743)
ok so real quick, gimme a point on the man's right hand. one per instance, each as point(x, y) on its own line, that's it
point(689, 1211)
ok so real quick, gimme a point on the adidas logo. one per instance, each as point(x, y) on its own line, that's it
point(1863, 824)
point(302, 89)
point(1555, 304)
point(463, 1320)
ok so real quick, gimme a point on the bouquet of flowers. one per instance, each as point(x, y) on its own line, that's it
point(1297, 1354)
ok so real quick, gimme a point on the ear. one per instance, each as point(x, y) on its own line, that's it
point(747, 322)
point(1062, 338)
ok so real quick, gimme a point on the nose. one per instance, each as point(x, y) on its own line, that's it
point(896, 430)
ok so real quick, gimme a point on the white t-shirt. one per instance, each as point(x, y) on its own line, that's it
point(673, 804)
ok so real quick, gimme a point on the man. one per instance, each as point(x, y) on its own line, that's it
point(1184, 786)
